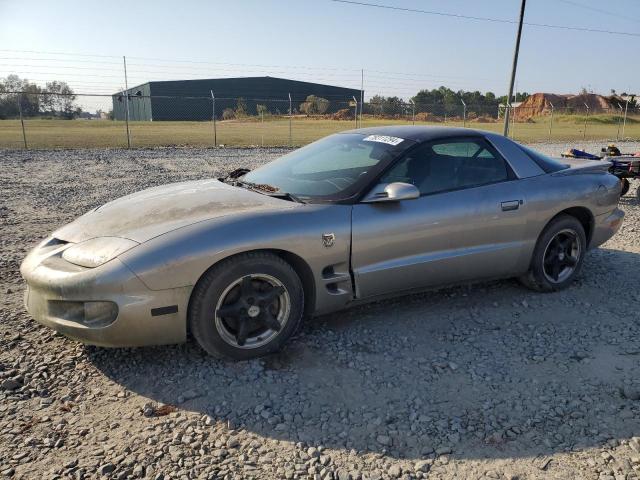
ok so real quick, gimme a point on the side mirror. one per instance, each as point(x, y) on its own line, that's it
point(392, 192)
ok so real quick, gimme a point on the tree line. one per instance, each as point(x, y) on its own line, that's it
point(56, 99)
point(441, 100)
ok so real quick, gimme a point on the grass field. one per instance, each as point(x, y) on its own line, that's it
point(272, 132)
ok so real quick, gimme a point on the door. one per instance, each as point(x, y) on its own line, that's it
point(467, 224)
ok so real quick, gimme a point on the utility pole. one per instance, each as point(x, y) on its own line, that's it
point(513, 69)
point(464, 113)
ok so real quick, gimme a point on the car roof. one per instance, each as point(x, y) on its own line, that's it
point(419, 133)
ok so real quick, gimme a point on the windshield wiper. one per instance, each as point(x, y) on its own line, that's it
point(287, 196)
point(270, 190)
point(258, 187)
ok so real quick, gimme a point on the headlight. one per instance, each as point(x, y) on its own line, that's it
point(95, 252)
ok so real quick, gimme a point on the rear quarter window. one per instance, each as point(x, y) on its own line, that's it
point(548, 164)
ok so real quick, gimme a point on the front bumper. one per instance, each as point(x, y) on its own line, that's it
point(51, 279)
point(605, 227)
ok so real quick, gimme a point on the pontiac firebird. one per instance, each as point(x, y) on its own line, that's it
point(240, 261)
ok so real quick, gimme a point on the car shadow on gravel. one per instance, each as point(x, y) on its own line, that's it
point(484, 371)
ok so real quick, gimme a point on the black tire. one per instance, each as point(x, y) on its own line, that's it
point(212, 331)
point(625, 186)
point(538, 277)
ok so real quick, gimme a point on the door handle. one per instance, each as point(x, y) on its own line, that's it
point(510, 205)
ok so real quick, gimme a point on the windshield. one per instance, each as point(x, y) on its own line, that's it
point(332, 169)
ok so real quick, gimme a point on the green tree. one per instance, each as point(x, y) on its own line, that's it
point(314, 105)
point(518, 97)
point(59, 100)
point(375, 106)
point(15, 91)
point(228, 114)
point(241, 108)
point(445, 101)
point(262, 110)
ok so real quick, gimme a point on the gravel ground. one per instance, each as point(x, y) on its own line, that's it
point(483, 381)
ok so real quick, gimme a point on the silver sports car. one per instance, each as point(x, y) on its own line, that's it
point(240, 261)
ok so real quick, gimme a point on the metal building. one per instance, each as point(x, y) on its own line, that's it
point(191, 99)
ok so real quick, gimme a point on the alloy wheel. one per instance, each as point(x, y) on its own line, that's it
point(252, 310)
point(561, 256)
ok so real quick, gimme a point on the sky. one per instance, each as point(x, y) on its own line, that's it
point(83, 42)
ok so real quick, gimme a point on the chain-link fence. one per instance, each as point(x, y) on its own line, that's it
point(42, 120)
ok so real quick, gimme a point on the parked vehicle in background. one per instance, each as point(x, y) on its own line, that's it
point(625, 166)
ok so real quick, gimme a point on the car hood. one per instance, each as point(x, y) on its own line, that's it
point(152, 212)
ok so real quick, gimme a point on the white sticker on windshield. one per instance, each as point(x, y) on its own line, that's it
point(384, 139)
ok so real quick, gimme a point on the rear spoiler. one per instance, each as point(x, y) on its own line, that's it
point(578, 166)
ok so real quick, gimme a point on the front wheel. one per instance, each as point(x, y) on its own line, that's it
point(558, 255)
point(246, 306)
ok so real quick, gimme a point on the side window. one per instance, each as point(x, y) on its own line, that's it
point(450, 165)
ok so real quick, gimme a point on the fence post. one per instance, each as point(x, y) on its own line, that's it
point(213, 115)
point(464, 114)
point(355, 111)
point(361, 96)
point(512, 119)
point(551, 120)
point(126, 96)
point(584, 133)
point(24, 135)
point(624, 122)
point(290, 113)
point(619, 118)
point(413, 112)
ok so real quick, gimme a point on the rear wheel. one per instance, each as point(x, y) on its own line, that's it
point(246, 306)
point(558, 255)
point(625, 186)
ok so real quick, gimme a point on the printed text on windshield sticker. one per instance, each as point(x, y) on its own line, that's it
point(384, 139)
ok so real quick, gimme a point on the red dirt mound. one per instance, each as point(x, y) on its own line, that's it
point(540, 104)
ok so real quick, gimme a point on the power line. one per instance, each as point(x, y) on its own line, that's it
point(599, 10)
point(74, 74)
point(60, 53)
point(159, 70)
point(485, 19)
point(138, 73)
point(405, 77)
point(59, 60)
point(303, 67)
point(352, 72)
